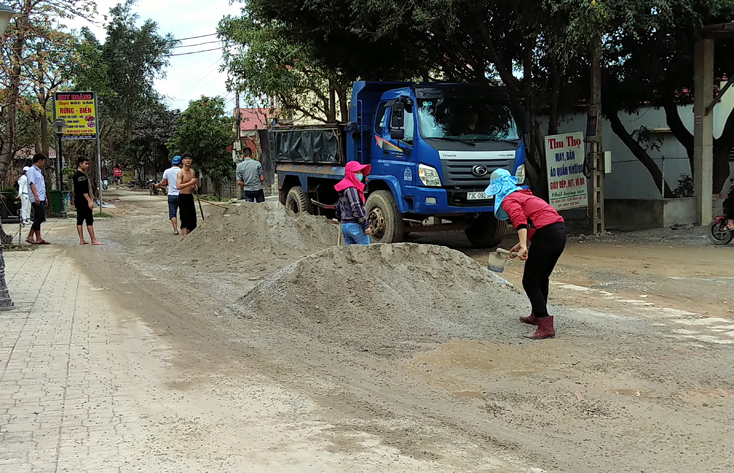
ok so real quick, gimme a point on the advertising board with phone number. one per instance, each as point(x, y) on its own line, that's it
point(79, 111)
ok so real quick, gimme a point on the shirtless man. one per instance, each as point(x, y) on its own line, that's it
point(186, 182)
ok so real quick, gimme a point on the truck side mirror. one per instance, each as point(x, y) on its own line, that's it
point(397, 133)
point(397, 115)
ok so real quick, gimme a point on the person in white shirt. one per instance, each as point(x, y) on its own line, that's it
point(169, 179)
point(25, 201)
point(37, 187)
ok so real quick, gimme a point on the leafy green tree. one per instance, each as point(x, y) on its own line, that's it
point(122, 71)
point(156, 126)
point(37, 57)
point(263, 63)
point(205, 131)
point(540, 49)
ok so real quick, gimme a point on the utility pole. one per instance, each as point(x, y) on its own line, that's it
point(703, 130)
point(594, 137)
point(238, 120)
point(238, 144)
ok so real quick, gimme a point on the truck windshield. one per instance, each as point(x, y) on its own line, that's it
point(463, 119)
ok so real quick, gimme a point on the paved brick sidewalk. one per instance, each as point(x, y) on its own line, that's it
point(63, 405)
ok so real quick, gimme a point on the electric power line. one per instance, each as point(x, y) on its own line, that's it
point(197, 44)
point(195, 37)
point(207, 72)
point(196, 52)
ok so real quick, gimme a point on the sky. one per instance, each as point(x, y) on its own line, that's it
point(191, 76)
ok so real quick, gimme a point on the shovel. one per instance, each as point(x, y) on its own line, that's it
point(497, 260)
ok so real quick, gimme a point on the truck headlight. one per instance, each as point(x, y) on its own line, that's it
point(520, 174)
point(429, 176)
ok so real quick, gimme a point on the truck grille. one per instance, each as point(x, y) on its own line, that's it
point(457, 173)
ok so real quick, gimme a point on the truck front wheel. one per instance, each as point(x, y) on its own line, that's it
point(297, 201)
point(486, 231)
point(384, 217)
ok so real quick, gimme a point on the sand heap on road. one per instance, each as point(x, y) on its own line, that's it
point(386, 299)
point(258, 237)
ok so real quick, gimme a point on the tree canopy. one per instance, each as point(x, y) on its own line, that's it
point(264, 63)
point(540, 49)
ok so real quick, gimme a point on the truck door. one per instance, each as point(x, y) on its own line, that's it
point(393, 154)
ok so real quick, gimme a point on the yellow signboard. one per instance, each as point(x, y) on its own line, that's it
point(79, 111)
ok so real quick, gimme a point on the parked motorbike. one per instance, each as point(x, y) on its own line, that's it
point(718, 231)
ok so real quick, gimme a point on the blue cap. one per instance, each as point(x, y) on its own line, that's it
point(177, 160)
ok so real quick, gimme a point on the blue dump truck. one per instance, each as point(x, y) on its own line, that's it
point(432, 148)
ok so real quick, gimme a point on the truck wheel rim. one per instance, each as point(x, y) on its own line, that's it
point(377, 222)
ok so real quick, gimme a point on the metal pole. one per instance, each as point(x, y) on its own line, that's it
point(662, 181)
point(60, 159)
point(99, 152)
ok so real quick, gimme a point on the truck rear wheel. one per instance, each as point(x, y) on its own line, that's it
point(486, 231)
point(297, 201)
point(384, 217)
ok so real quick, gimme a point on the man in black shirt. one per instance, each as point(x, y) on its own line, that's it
point(83, 203)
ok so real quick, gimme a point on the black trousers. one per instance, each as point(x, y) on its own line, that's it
point(547, 246)
point(39, 215)
point(255, 196)
point(83, 212)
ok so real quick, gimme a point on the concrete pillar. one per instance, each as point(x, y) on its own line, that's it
point(703, 140)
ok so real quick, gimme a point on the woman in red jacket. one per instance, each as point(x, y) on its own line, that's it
point(535, 220)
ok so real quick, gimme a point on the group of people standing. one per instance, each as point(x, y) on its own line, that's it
point(182, 183)
point(32, 194)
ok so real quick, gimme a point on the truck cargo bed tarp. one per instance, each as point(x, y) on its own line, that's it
point(322, 146)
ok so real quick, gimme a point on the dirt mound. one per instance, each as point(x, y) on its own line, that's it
point(258, 237)
point(387, 299)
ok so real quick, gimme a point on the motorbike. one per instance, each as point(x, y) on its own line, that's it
point(718, 233)
point(717, 229)
point(104, 185)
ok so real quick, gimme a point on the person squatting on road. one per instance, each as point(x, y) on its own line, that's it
point(250, 176)
point(186, 182)
point(25, 201)
point(170, 179)
point(37, 187)
point(535, 220)
point(350, 210)
point(83, 202)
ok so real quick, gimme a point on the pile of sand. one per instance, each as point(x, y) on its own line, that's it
point(256, 237)
point(386, 299)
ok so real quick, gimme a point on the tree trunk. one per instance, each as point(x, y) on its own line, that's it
point(332, 102)
point(554, 115)
point(679, 130)
point(45, 145)
point(637, 150)
point(10, 111)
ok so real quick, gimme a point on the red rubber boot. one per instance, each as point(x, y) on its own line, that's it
point(531, 320)
point(545, 329)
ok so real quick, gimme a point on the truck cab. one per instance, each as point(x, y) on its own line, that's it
point(432, 148)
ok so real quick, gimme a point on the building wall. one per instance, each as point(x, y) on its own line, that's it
point(629, 178)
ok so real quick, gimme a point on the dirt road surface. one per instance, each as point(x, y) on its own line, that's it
point(639, 379)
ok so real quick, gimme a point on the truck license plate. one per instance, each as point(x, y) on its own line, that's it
point(476, 196)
